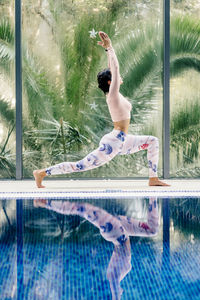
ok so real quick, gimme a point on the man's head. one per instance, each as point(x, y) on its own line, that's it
point(104, 79)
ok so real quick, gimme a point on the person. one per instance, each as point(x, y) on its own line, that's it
point(115, 229)
point(118, 141)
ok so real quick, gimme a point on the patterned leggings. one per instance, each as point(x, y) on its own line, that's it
point(115, 229)
point(114, 143)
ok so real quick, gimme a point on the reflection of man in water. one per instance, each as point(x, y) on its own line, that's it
point(115, 229)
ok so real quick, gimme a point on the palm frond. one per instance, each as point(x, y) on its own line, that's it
point(185, 44)
point(141, 72)
point(42, 97)
point(7, 160)
point(6, 31)
point(7, 51)
point(185, 131)
point(6, 112)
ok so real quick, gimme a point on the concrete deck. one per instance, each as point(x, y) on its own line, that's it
point(97, 189)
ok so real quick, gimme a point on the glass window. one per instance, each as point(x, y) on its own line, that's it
point(7, 90)
point(64, 113)
point(185, 89)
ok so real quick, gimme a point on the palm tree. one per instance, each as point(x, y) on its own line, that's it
point(7, 159)
point(43, 102)
point(64, 119)
point(185, 121)
point(7, 165)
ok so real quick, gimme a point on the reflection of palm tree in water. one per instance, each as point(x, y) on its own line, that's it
point(115, 229)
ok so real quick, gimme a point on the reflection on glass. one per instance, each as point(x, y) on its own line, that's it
point(115, 229)
point(65, 114)
point(8, 247)
point(7, 94)
point(185, 90)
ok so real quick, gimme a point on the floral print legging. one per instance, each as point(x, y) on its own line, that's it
point(114, 143)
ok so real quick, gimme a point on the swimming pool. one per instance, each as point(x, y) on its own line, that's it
point(57, 252)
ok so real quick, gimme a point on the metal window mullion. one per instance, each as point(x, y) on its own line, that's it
point(166, 90)
point(166, 232)
point(18, 89)
point(20, 247)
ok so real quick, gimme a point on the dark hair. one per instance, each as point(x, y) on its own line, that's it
point(103, 77)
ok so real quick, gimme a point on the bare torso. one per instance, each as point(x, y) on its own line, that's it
point(122, 125)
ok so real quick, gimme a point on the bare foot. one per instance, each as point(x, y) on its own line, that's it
point(39, 202)
point(39, 176)
point(154, 181)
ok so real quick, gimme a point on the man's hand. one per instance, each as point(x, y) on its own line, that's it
point(105, 40)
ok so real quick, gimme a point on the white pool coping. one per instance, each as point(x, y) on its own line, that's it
point(97, 189)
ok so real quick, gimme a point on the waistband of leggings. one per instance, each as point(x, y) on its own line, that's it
point(117, 131)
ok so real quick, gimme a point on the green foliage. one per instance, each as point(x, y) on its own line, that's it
point(7, 161)
point(186, 213)
point(6, 32)
point(185, 44)
point(141, 73)
point(185, 131)
point(185, 121)
point(58, 139)
point(7, 53)
point(40, 94)
point(81, 57)
point(6, 112)
point(58, 120)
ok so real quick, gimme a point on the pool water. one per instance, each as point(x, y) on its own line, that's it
point(48, 254)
